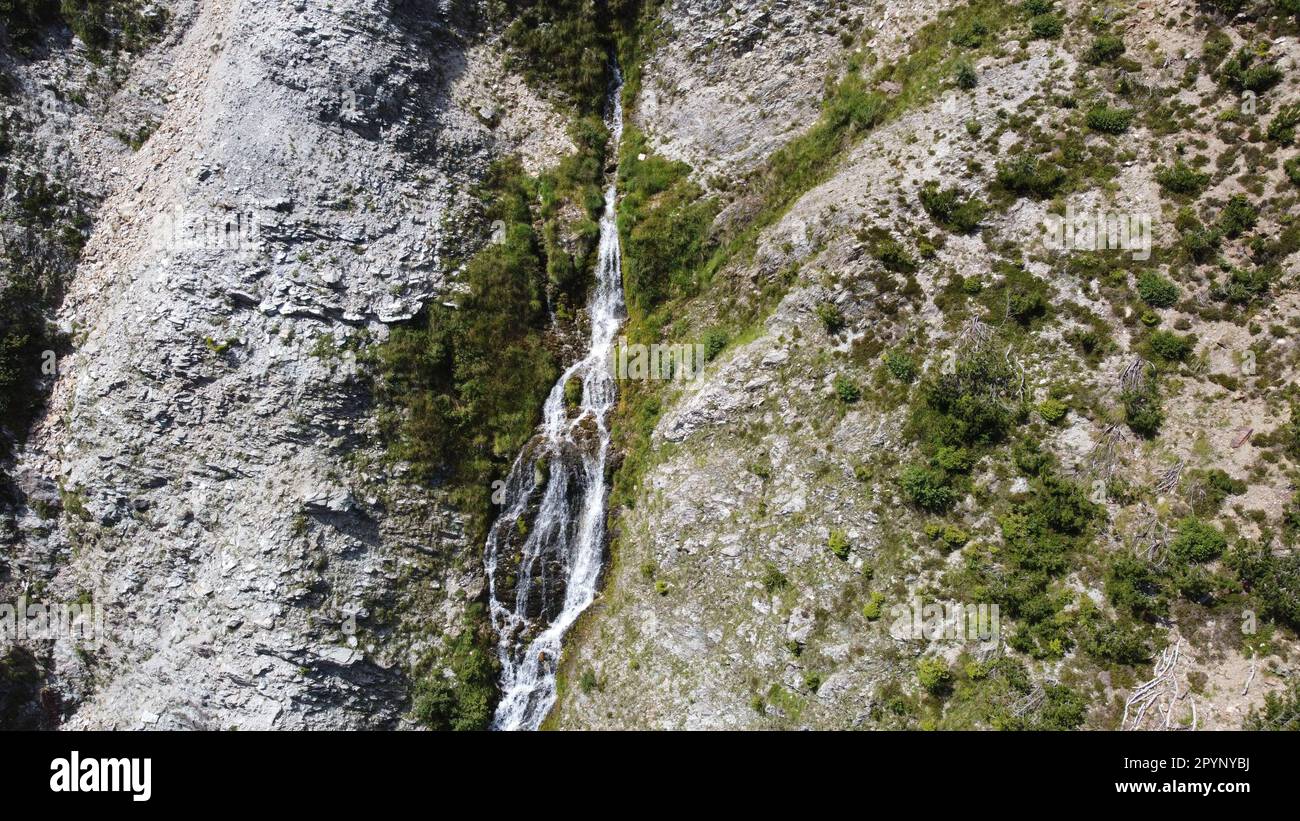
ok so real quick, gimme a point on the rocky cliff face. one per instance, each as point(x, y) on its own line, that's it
point(911, 395)
point(207, 469)
point(756, 567)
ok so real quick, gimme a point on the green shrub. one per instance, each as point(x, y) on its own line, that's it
point(1134, 587)
point(1212, 488)
point(1197, 541)
point(839, 544)
point(464, 701)
point(573, 394)
point(950, 209)
point(462, 390)
point(1028, 175)
point(1273, 582)
point(967, 407)
point(872, 609)
point(927, 488)
point(1243, 286)
point(1244, 72)
point(561, 45)
point(1123, 642)
point(1169, 346)
point(901, 366)
point(933, 675)
point(1036, 7)
point(773, 579)
point(847, 390)
point(1106, 48)
point(1156, 291)
point(893, 255)
point(1109, 120)
point(1281, 129)
point(103, 25)
point(970, 35)
point(715, 340)
point(1142, 411)
point(831, 317)
point(1046, 26)
point(1281, 711)
point(1062, 709)
point(1181, 178)
point(1052, 411)
point(1238, 216)
point(954, 538)
point(664, 221)
point(1197, 241)
point(1292, 168)
point(953, 460)
point(966, 76)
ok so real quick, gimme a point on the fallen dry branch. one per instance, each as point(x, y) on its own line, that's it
point(1158, 697)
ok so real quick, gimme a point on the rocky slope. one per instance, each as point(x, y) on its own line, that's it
point(207, 470)
point(727, 604)
point(912, 396)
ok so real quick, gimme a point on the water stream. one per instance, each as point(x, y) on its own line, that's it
point(544, 552)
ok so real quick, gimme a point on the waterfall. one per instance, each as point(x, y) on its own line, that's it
point(541, 576)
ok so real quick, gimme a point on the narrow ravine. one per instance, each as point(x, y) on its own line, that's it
point(544, 552)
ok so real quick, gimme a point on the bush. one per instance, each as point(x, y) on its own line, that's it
point(970, 35)
point(1197, 241)
point(891, 254)
point(1046, 27)
point(1142, 412)
point(1238, 216)
point(953, 460)
point(966, 76)
point(1212, 488)
point(468, 385)
point(934, 676)
point(1280, 711)
point(1244, 72)
point(1243, 286)
point(1105, 49)
point(664, 221)
point(463, 701)
point(1197, 542)
point(1052, 411)
point(927, 488)
point(1156, 291)
point(839, 544)
point(559, 44)
point(1062, 709)
point(901, 366)
point(1109, 120)
point(871, 610)
point(1272, 581)
point(847, 390)
point(1292, 168)
point(1181, 178)
point(1169, 346)
point(773, 579)
point(966, 407)
point(831, 317)
point(1028, 175)
point(1124, 642)
point(954, 538)
point(715, 340)
point(1282, 127)
point(1062, 504)
point(1134, 587)
point(949, 209)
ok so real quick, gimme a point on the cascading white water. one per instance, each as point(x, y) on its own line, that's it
point(541, 578)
